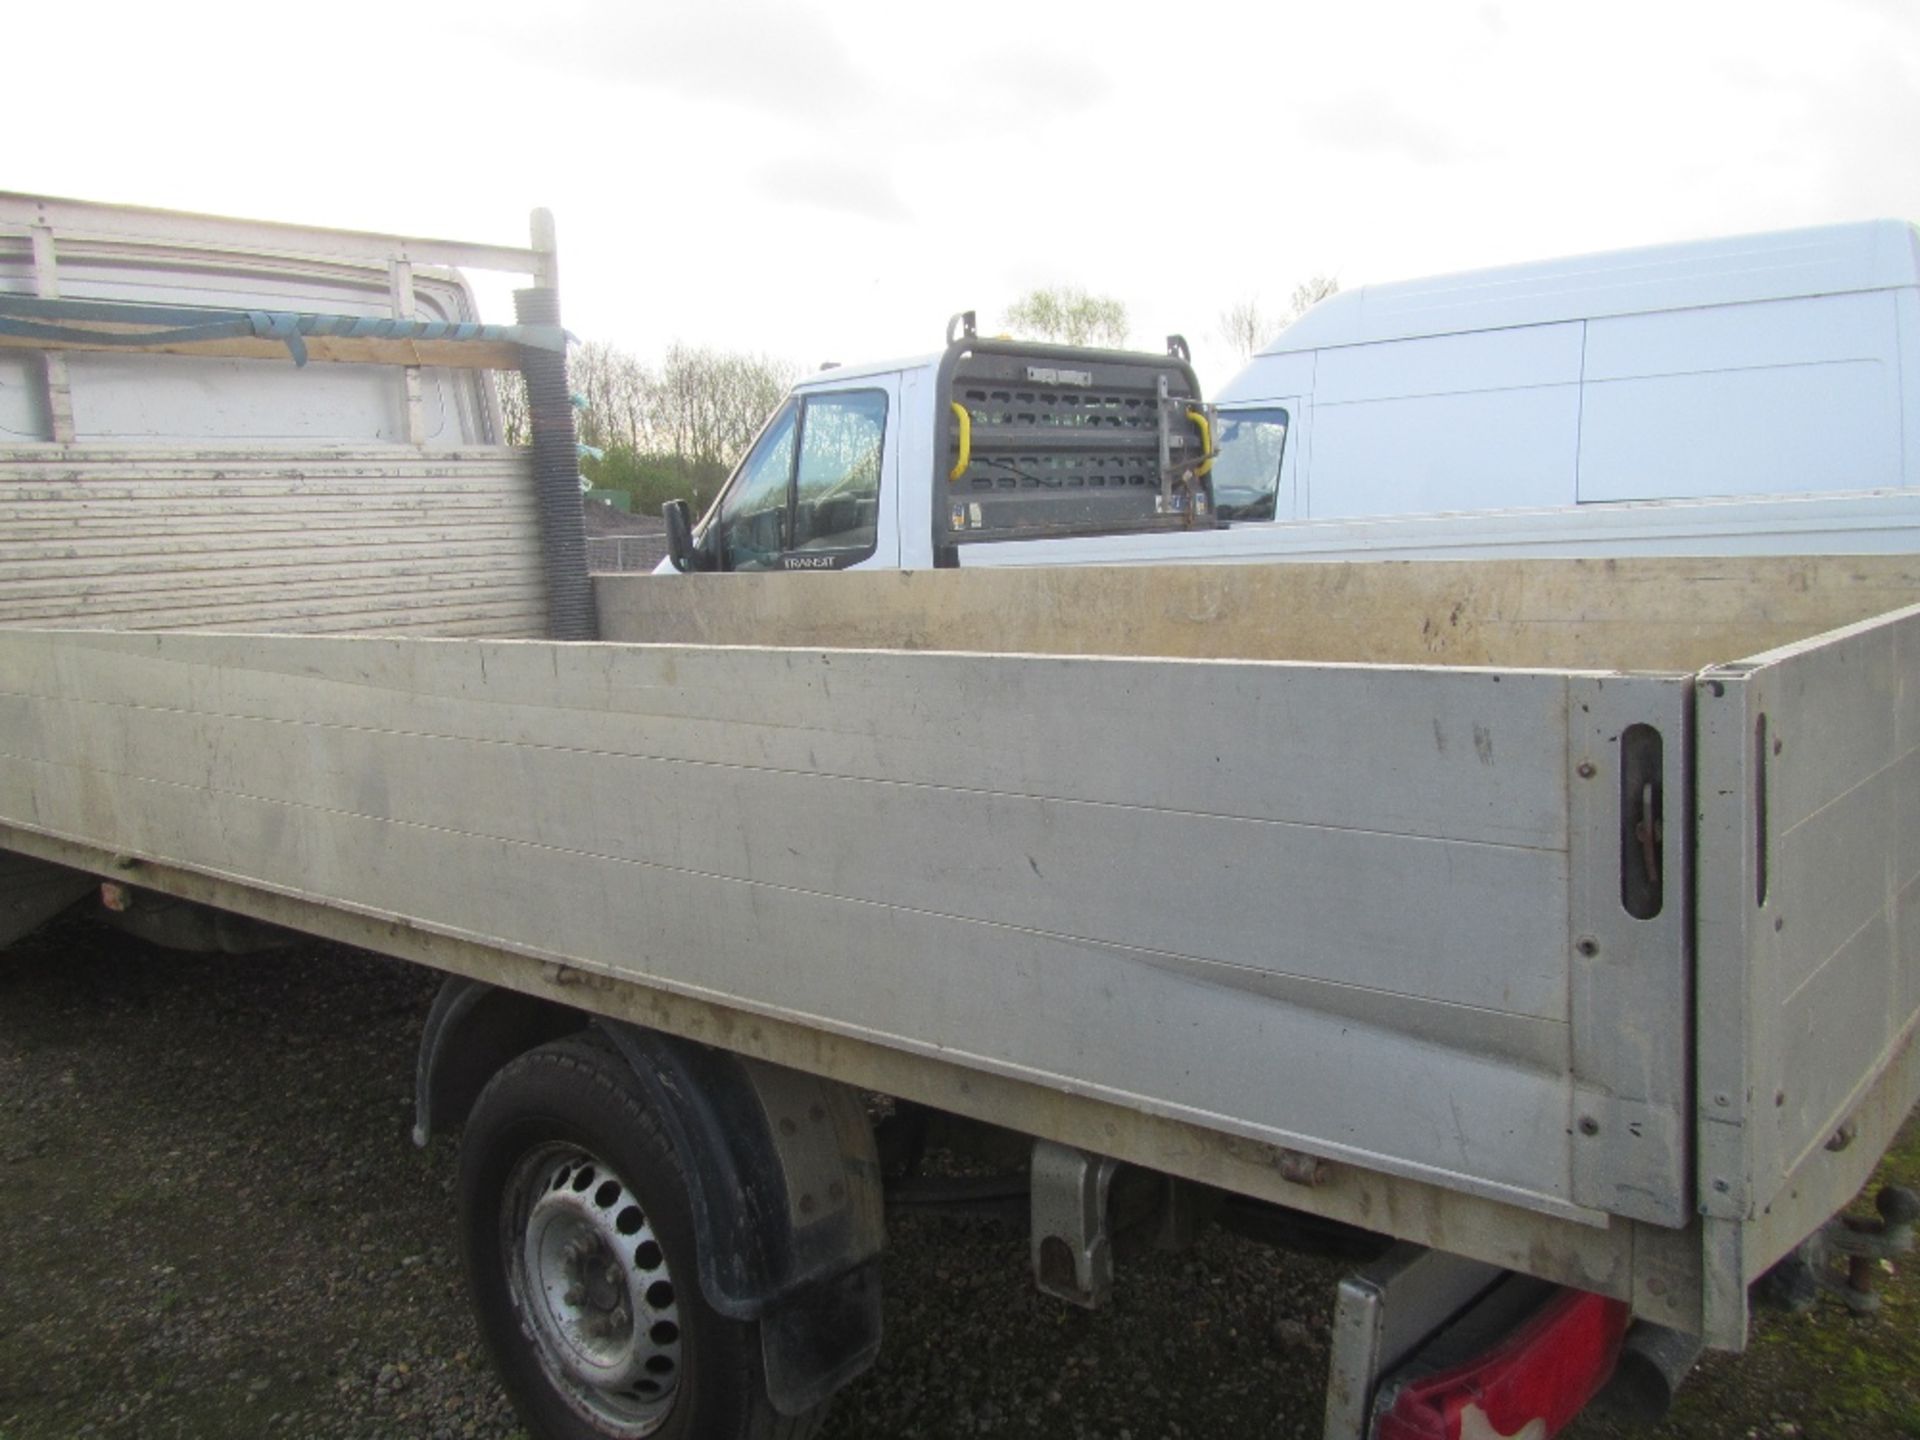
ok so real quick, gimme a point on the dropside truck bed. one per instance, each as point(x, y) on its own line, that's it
point(1573, 968)
point(1556, 919)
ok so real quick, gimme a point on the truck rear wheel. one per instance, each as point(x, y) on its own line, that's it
point(580, 1248)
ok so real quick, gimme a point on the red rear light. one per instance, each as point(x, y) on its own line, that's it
point(1530, 1385)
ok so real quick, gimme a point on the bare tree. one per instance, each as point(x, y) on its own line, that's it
point(700, 405)
point(1069, 315)
point(613, 384)
point(511, 387)
point(1245, 326)
point(1307, 294)
point(706, 405)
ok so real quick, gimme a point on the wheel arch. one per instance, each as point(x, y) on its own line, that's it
point(473, 1029)
point(784, 1176)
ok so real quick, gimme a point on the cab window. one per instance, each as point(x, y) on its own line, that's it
point(836, 504)
point(750, 531)
point(1246, 477)
point(808, 495)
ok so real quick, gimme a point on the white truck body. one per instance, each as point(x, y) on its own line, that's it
point(1330, 893)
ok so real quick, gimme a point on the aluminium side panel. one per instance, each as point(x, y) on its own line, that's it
point(1630, 946)
point(1809, 935)
point(1320, 906)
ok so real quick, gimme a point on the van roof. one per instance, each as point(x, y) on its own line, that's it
point(1786, 264)
point(835, 375)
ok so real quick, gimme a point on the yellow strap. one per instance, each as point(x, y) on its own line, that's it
point(966, 442)
point(1206, 443)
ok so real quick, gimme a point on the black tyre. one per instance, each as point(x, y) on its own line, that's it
point(579, 1241)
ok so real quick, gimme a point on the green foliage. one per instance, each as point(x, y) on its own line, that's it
point(652, 479)
point(1068, 315)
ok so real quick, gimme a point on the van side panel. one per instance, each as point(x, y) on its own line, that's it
point(1269, 377)
point(1456, 422)
point(1764, 399)
point(1906, 310)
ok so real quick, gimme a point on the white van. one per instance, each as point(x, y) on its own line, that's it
point(1747, 395)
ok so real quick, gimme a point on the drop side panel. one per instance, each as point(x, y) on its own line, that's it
point(1809, 979)
point(1322, 906)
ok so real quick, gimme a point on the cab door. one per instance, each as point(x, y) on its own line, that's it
point(819, 489)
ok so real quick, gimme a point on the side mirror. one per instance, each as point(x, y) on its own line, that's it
point(679, 536)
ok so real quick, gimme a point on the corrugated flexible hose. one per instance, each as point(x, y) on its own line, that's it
point(556, 467)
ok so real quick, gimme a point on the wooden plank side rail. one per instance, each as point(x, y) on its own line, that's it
point(1655, 614)
point(335, 349)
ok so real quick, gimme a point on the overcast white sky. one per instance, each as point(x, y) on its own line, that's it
point(832, 181)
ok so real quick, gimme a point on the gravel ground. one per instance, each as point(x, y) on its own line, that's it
point(212, 1223)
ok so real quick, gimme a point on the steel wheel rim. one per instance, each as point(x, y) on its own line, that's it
point(591, 1288)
